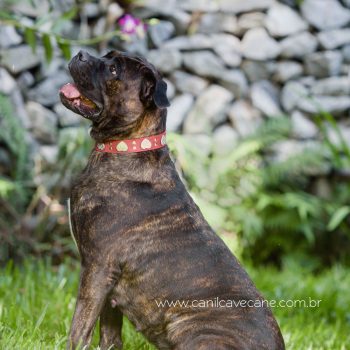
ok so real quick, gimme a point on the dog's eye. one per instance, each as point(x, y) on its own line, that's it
point(113, 70)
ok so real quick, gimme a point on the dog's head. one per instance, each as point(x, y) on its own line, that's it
point(115, 92)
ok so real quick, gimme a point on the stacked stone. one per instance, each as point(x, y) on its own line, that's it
point(250, 60)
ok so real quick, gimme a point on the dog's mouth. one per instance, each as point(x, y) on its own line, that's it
point(74, 100)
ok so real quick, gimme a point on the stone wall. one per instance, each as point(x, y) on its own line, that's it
point(229, 65)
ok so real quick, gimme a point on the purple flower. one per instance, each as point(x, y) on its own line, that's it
point(129, 24)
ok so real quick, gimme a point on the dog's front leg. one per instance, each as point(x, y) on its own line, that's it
point(95, 284)
point(111, 321)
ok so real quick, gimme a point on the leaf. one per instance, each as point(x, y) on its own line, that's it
point(337, 218)
point(48, 47)
point(70, 14)
point(29, 35)
point(65, 48)
point(5, 15)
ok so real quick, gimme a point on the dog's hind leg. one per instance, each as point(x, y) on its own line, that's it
point(111, 320)
point(96, 283)
point(207, 342)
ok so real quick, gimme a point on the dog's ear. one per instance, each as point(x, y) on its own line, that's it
point(154, 91)
point(160, 98)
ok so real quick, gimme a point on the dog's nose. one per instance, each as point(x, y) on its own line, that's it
point(83, 56)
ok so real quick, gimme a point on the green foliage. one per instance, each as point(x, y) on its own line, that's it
point(12, 134)
point(269, 204)
point(30, 213)
point(338, 217)
point(38, 31)
point(34, 31)
point(37, 302)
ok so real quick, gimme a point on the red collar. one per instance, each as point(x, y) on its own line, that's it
point(141, 144)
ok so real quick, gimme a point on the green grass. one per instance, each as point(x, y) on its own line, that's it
point(37, 301)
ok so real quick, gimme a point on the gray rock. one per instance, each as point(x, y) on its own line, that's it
point(291, 94)
point(178, 110)
point(170, 92)
point(299, 45)
point(307, 81)
point(203, 63)
point(9, 36)
point(225, 140)
point(303, 128)
point(228, 48)
point(238, 6)
point(203, 146)
point(323, 64)
point(165, 60)
point(100, 27)
point(19, 58)
point(46, 92)
point(43, 122)
point(217, 23)
point(7, 83)
point(325, 14)
point(192, 42)
point(198, 5)
point(136, 44)
point(245, 118)
point(167, 5)
point(291, 3)
point(336, 105)
point(258, 70)
point(48, 155)
point(26, 8)
point(287, 70)
point(19, 109)
point(179, 18)
point(160, 32)
point(345, 135)
point(235, 81)
point(71, 30)
point(209, 110)
point(188, 83)
point(225, 45)
point(333, 39)
point(258, 45)
point(25, 80)
point(249, 21)
point(54, 67)
point(346, 53)
point(281, 21)
point(345, 69)
point(264, 97)
point(91, 10)
point(283, 150)
point(333, 86)
point(346, 3)
point(66, 117)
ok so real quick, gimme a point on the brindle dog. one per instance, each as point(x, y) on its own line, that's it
point(140, 236)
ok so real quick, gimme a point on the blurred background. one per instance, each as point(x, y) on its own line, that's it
point(258, 128)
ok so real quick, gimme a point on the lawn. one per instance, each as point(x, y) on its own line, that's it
point(37, 301)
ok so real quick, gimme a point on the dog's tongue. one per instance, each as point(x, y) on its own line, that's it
point(70, 91)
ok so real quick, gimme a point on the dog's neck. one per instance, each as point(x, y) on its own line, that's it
point(149, 123)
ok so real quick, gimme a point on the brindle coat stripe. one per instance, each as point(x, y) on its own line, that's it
point(142, 238)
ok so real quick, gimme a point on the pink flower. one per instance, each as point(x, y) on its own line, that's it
point(129, 24)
